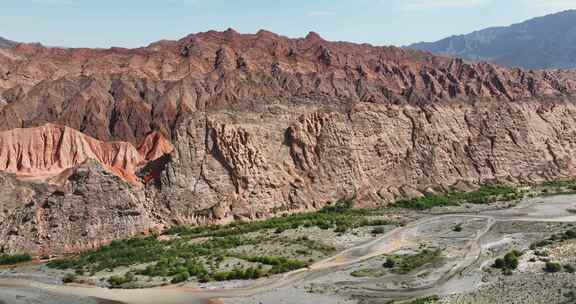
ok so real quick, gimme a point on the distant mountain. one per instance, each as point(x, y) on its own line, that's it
point(547, 42)
point(5, 43)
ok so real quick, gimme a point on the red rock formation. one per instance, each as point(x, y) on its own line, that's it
point(45, 153)
point(124, 94)
point(155, 146)
point(261, 124)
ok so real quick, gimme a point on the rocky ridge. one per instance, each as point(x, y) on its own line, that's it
point(263, 125)
point(547, 42)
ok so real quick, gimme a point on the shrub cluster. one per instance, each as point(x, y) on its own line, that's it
point(14, 259)
point(426, 300)
point(341, 216)
point(569, 234)
point(279, 264)
point(406, 263)
point(238, 273)
point(485, 195)
point(117, 281)
point(509, 263)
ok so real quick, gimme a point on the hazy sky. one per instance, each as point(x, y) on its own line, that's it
point(130, 23)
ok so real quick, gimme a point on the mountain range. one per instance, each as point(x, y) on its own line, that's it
point(5, 43)
point(547, 42)
point(104, 144)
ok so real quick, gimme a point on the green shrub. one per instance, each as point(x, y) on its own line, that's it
point(180, 277)
point(249, 273)
point(511, 261)
point(569, 234)
point(484, 195)
point(69, 278)
point(390, 262)
point(457, 228)
point(279, 264)
point(552, 267)
point(117, 281)
point(408, 263)
point(569, 268)
point(426, 300)
point(499, 264)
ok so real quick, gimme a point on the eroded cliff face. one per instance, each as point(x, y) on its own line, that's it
point(47, 153)
point(262, 125)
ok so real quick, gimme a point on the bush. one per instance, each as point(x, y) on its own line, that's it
point(484, 195)
point(249, 273)
point(69, 278)
point(508, 263)
point(426, 300)
point(390, 262)
point(570, 234)
point(117, 281)
point(569, 268)
point(457, 228)
point(552, 267)
point(511, 261)
point(499, 264)
point(181, 277)
point(378, 230)
point(406, 264)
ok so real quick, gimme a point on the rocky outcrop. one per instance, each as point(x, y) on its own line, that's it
point(45, 154)
point(94, 208)
point(261, 125)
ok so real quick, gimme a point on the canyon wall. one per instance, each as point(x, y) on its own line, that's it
point(263, 125)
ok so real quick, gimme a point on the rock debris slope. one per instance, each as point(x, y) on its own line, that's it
point(261, 125)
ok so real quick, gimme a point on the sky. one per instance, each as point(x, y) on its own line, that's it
point(134, 23)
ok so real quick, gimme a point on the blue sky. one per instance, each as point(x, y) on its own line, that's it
point(132, 23)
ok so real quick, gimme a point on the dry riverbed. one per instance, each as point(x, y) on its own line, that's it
point(441, 255)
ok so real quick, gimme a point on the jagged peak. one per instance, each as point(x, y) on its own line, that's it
point(313, 37)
